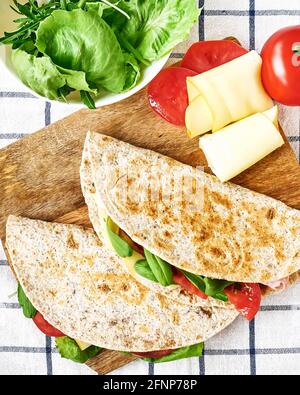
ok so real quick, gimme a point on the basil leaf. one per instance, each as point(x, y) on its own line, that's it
point(211, 287)
point(195, 350)
point(196, 280)
point(215, 288)
point(69, 349)
point(122, 248)
point(143, 269)
point(28, 309)
point(221, 296)
point(161, 269)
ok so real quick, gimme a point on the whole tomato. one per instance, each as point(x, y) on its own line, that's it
point(281, 66)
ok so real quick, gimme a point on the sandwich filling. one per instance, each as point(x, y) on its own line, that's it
point(246, 297)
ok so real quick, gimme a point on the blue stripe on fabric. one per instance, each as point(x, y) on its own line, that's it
point(293, 138)
point(201, 33)
point(33, 350)
point(202, 364)
point(151, 369)
point(48, 339)
point(23, 95)
point(252, 24)
point(247, 12)
point(177, 55)
point(259, 351)
point(47, 113)
point(49, 356)
point(279, 307)
point(4, 262)
point(252, 347)
point(201, 25)
point(10, 136)
point(238, 351)
point(9, 306)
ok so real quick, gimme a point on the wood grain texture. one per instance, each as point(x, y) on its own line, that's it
point(108, 361)
point(39, 175)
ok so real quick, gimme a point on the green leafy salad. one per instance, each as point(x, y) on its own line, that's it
point(94, 47)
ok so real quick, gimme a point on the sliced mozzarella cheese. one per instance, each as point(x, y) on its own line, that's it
point(231, 91)
point(198, 117)
point(82, 345)
point(130, 260)
point(192, 90)
point(240, 145)
point(272, 114)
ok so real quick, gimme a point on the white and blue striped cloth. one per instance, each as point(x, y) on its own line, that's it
point(270, 344)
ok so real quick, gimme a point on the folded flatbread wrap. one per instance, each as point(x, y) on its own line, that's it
point(80, 288)
point(190, 219)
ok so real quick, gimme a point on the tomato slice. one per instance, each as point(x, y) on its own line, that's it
point(205, 55)
point(180, 279)
point(45, 327)
point(153, 354)
point(246, 298)
point(167, 94)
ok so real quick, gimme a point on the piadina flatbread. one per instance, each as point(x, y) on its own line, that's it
point(192, 220)
point(80, 287)
point(97, 215)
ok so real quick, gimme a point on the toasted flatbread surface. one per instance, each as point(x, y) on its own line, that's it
point(192, 220)
point(93, 201)
point(80, 288)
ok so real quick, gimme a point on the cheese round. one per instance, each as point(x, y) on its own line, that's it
point(232, 91)
point(240, 145)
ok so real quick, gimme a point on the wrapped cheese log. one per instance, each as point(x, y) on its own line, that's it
point(240, 145)
point(226, 94)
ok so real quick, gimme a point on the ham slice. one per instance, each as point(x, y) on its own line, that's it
point(278, 285)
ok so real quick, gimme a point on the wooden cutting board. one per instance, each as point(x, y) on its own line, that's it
point(39, 175)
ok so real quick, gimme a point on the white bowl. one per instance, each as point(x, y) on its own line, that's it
point(6, 24)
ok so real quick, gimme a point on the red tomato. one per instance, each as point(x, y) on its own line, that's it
point(167, 94)
point(281, 66)
point(180, 279)
point(45, 327)
point(245, 297)
point(153, 354)
point(206, 55)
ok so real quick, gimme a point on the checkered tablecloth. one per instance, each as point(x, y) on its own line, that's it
point(270, 344)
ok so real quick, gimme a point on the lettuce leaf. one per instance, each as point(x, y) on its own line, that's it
point(133, 72)
point(45, 78)
point(195, 350)
point(69, 349)
point(28, 309)
point(156, 27)
point(40, 74)
point(82, 41)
